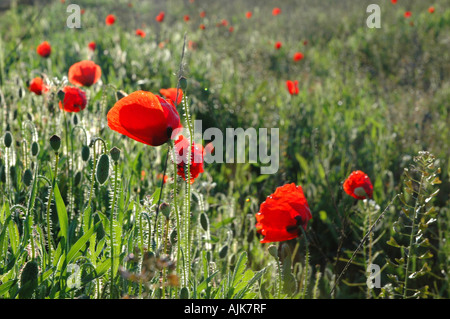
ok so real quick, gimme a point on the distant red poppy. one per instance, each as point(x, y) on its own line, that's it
point(292, 87)
point(186, 18)
point(37, 86)
point(144, 117)
point(44, 49)
point(305, 42)
point(231, 29)
point(140, 33)
point(110, 19)
point(202, 14)
point(181, 147)
point(160, 16)
point(84, 73)
point(92, 46)
point(277, 45)
point(83, 11)
point(248, 14)
point(358, 185)
point(282, 214)
point(74, 100)
point(298, 56)
point(394, 1)
point(171, 94)
point(202, 26)
point(224, 22)
point(165, 178)
point(408, 14)
point(276, 11)
point(431, 9)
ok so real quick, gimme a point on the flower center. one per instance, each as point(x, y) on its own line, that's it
point(359, 191)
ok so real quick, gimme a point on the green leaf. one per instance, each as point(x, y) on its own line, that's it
point(62, 214)
point(393, 243)
point(80, 243)
point(239, 269)
point(7, 286)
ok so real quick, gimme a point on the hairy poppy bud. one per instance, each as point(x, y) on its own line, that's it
point(28, 280)
point(102, 171)
point(55, 142)
point(183, 83)
point(223, 251)
point(273, 251)
point(7, 139)
point(204, 221)
point(34, 148)
point(115, 153)
point(77, 178)
point(27, 177)
point(85, 153)
point(165, 209)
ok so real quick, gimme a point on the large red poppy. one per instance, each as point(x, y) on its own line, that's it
point(171, 94)
point(37, 86)
point(44, 49)
point(144, 117)
point(196, 164)
point(292, 87)
point(74, 100)
point(110, 19)
point(281, 215)
point(358, 185)
point(84, 73)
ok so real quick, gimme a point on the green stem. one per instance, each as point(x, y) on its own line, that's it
point(50, 196)
point(111, 217)
point(306, 269)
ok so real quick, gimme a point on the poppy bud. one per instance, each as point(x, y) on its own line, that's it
point(173, 237)
point(102, 171)
point(165, 209)
point(77, 178)
point(184, 293)
point(55, 142)
point(34, 149)
point(115, 153)
point(75, 119)
point(27, 177)
point(204, 221)
point(223, 251)
point(85, 153)
point(273, 251)
point(7, 139)
point(61, 95)
point(28, 280)
point(183, 83)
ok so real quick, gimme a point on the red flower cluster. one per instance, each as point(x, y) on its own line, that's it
point(358, 185)
point(84, 73)
point(44, 49)
point(281, 215)
point(140, 33)
point(37, 86)
point(292, 87)
point(144, 117)
point(74, 100)
point(196, 164)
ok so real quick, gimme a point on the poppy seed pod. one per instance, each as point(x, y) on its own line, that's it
point(102, 170)
point(204, 222)
point(223, 251)
point(27, 177)
point(165, 209)
point(183, 83)
point(34, 149)
point(7, 139)
point(115, 154)
point(28, 280)
point(55, 142)
point(85, 153)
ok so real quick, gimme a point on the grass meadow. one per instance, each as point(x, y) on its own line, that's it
point(89, 213)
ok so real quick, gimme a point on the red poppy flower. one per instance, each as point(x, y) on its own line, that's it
point(181, 152)
point(140, 33)
point(160, 16)
point(110, 19)
point(292, 87)
point(276, 11)
point(165, 178)
point(298, 56)
point(202, 14)
point(84, 73)
point(277, 45)
point(394, 1)
point(281, 215)
point(44, 49)
point(171, 94)
point(202, 26)
point(186, 18)
point(248, 15)
point(37, 86)
point(408, 14)
point(358, 185)
point(224, 22)
point(83, 11)
point(92, 46)
point(231, 29)
point(74, 100)
point(144, 117)
point(305, 42)
point(431, 9)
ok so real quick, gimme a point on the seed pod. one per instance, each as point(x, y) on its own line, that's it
point(184, 293)
point(7, 139)
point(27, 177)
point(165, 209)
point(85, 153)
point(102, 171)
point(115, 154)
point(183, 83)
point(34, 149)
point(28, 280)
point(75, 119)
point(204, 221)
point(77, 178)
point(273, 251)
point(55, 142)
point(223, 251)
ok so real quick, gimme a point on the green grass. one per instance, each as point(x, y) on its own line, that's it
point(370, 99)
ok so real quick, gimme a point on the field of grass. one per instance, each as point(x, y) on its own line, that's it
point(76, 222)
